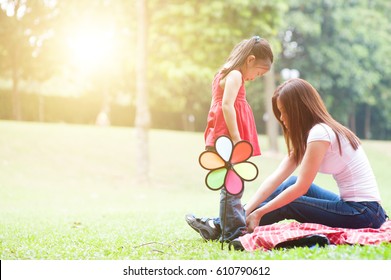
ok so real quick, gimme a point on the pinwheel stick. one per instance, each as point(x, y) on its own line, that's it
point(228, 167)
point(224, 221)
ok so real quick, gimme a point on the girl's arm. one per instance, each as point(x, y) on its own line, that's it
point(286, 168)
point(311, 162)
point(233, 83)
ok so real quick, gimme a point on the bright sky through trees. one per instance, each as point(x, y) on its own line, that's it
point(91, 47)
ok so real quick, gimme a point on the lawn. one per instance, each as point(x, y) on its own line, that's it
point(68, 192)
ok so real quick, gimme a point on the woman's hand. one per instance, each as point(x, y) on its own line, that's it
point(253, 219)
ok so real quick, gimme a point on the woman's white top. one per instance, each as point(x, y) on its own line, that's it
point(351, 170)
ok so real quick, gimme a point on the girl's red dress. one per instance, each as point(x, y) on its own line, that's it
point(216, 125)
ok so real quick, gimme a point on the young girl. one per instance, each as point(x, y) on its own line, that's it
point(317, 143)
point(231, 115)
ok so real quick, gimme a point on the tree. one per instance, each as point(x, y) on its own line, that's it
point(143, 119)
point(190, 40)
point(334, 46)
point(97, 44)
point(23, 36)
point(271, 122)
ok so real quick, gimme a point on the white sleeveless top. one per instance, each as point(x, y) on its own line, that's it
point(351, 170)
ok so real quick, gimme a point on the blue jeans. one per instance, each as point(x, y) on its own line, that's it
point(325, 207)
point(316, 206)
point(233, 224)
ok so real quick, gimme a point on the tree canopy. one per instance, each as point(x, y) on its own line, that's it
point(342, 48)
point(78, 48)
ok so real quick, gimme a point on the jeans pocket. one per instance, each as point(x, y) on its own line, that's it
point(358, 207)
point(375, 213)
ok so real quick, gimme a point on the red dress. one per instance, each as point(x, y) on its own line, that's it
point(216, 125)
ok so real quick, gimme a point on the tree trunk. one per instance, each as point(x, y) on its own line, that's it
point(352, 119)
point(16, 104)
point(367, 123)
point(41, 108)
point(143, 119)
point(271, 122)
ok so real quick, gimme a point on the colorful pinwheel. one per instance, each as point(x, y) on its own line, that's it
point(228, 165)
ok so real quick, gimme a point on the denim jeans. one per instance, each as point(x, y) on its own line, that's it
point(316, 206)
point(233, 223)
point(235, 218)
point(325, 207)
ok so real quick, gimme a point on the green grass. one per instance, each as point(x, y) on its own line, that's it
point(69, 192)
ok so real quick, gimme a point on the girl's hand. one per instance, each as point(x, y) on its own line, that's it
point(253, 220)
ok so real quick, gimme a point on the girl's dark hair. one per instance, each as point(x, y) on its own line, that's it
point(256, 46)
point(304, 108)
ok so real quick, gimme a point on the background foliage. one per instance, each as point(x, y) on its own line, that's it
point(69, 60)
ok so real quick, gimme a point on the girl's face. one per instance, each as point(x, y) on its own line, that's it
point(255, 68)
point(283, 116)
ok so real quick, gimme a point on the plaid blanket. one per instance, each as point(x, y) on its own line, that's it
point(267, 237)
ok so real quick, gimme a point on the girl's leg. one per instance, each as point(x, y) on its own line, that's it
point(232, 212)
point(231, 218)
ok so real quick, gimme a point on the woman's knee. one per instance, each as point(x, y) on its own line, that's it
point(291, 180)
point(287, 183)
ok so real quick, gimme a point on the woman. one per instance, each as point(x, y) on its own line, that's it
point(317, 143)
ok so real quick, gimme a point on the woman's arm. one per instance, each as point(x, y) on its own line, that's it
point(286, 168)
point(311, 162)
point(233, 83)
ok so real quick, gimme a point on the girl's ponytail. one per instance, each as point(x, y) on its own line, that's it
point(256, 46)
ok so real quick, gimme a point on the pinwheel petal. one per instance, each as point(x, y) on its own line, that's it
point(233, 183)
point(223, 147)
point(241, 152)
point(211, 160)
point(215, 179)
point(248, 171)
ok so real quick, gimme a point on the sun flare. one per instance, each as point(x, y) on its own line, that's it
point(91, 48)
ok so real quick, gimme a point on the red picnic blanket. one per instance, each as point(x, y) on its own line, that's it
point(267, 237)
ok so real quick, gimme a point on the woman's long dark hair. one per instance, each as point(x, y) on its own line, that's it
point(305, 108)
